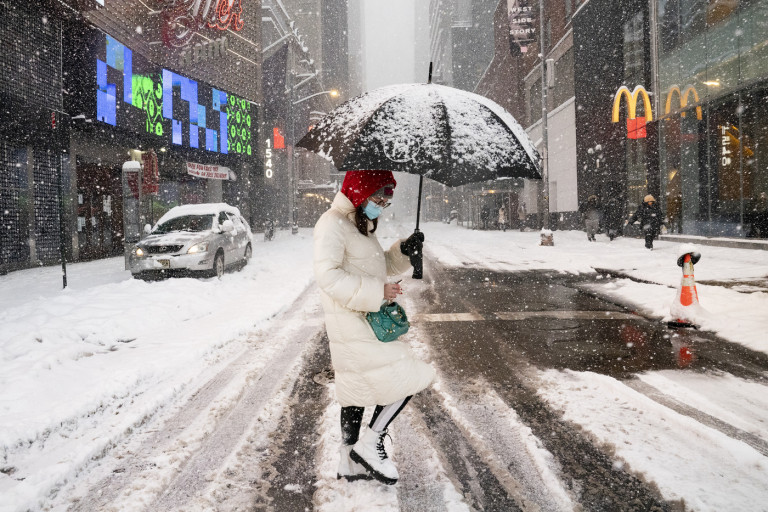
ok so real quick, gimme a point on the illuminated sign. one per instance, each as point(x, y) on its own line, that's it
point(683, 98)
point(268, 160)
point(211, 172)
point(134, 93)
point(183, 18)
point(635, 123)
point(279, 139)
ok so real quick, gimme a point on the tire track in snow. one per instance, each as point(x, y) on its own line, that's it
point(700, 416)
point(174, 461)
point(585, 469)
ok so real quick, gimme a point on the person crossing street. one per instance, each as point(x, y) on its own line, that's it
point(351, 269)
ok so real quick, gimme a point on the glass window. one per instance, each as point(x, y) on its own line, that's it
point(634, 50)
point(753, 32)
point(754, 127)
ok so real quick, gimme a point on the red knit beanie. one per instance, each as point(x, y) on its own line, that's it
point(360, 185)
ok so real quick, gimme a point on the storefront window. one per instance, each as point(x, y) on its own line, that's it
point(712, 54)
point(754, 126)
point(693, 174)
point(753, 32)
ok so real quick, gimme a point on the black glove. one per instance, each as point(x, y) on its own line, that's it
point(413, 244)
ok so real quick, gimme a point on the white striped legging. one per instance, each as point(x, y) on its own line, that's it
point(352, 417)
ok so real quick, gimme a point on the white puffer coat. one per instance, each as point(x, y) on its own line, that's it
point(351, 270)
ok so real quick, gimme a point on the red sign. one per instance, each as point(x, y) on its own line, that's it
point(636, 128)
point(279, 142)
point(182, 19)
point(150, 181)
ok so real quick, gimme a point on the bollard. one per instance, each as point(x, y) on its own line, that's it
point(686, 308)
point(547, 238)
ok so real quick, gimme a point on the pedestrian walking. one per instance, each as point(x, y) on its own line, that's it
point(651, 219)
point(351, 269)
point(613, 213)
point(502, 218)
point(485, 215)
point(590, 215)
point(521, 215)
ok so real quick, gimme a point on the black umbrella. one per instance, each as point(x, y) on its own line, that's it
point(449, 135)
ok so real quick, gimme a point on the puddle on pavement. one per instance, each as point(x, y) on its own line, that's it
point(619, 347)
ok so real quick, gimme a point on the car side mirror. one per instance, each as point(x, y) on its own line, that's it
point(227, 226)
point(147, 229)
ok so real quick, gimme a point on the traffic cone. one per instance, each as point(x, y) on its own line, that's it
point(686, 307)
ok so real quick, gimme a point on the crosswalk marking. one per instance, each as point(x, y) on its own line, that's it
point(525, 315)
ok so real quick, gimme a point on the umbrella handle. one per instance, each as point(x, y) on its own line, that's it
point(416, 263)
point(417, 260)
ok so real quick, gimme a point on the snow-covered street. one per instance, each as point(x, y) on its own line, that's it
point(90, 374)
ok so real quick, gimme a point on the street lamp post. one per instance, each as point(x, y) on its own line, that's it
point(544, 114)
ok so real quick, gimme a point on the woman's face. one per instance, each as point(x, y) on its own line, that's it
point(381, 202)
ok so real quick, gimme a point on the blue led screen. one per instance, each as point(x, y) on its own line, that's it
point(132, 93)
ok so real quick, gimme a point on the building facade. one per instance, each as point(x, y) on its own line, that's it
point(307, 71)
point(169, 85)
point(675, 93)
point(712, 90)
point(514, 80)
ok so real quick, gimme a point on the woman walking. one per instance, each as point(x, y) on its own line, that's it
point(351, 269)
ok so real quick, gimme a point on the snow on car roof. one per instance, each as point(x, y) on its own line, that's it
point(198, 209)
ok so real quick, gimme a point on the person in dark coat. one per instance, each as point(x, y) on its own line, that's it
point(613, 213)
point(651, 219)
point(590, 214)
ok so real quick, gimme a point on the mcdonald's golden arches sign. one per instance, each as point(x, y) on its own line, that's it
point(635, 123)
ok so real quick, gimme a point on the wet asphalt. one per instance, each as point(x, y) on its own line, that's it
point(493, 327)
point(550, 320)
point(496, 326)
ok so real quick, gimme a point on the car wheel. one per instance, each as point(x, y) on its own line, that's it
point(248, 252)
point(218, 265)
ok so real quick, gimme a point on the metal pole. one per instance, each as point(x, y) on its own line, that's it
point(418, 204)
point(292, 213)
point(62, 226)
point(544, 135)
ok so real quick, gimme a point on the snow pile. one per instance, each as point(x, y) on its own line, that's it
point(109, 350)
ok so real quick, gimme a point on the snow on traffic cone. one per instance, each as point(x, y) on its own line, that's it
point(686, 308)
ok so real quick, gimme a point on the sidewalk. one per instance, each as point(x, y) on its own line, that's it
point(733, 243)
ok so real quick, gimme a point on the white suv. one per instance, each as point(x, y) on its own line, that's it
point(199, 238)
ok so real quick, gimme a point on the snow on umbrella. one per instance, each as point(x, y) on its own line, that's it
point(445, 134)
point(451, 136)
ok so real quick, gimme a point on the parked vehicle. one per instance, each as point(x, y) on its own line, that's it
point(202, 239)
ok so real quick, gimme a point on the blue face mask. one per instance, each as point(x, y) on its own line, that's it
point(372, 210)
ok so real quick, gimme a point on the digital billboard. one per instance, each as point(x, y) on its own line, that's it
point(138, 96)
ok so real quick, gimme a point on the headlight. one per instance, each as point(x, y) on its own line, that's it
point(139, 252)
point(201, 247)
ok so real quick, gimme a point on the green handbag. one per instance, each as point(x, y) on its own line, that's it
point(389, 322)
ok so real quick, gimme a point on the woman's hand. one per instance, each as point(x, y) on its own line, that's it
point(391, 291)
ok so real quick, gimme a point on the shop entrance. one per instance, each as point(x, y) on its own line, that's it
point(99, 211)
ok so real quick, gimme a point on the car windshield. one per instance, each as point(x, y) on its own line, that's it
point(185, 223)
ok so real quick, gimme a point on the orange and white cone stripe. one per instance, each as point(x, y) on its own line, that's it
point(686, 309)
